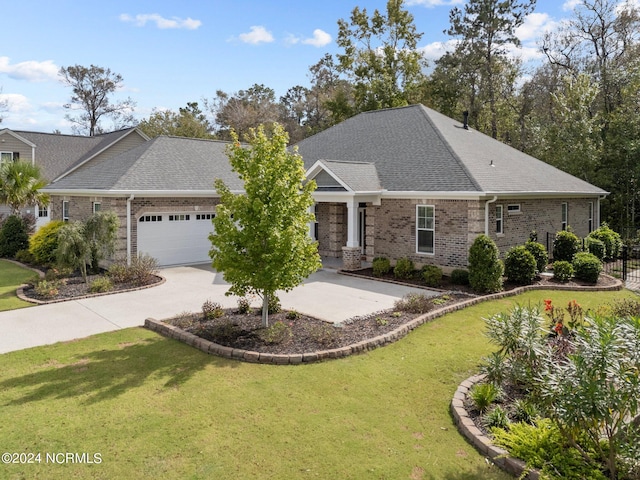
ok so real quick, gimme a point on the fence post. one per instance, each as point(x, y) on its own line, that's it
point(624, 263)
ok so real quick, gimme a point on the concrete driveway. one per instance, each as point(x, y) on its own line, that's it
point(326, 295)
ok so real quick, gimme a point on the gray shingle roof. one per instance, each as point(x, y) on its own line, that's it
point(162, 164)
point(55, 154)
point(359, 177)
point(416, 148)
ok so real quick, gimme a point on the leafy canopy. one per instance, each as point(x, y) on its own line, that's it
point(261, 241)
point(20, 184)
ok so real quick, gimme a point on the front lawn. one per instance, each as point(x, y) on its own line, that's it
point(11, 277)
point(156, 408)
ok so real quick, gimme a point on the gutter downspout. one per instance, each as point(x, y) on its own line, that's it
point(129, 228)
point(486, 214)
point(602, 197)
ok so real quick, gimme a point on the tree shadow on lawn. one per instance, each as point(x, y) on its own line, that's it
point(106, 374)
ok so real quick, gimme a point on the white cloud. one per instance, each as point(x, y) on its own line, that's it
point(434, 3)
point(435, 50)
point(16, 103)
point(162, 23)
point(534, 25)
point(569, 5)
point(320, 38)
point(31, 71)
point(257, 35)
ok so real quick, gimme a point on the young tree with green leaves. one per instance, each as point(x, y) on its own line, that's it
point(73, 249)
point(261, 242)
point(20, 184)
point(101, 232)
point(380, 56)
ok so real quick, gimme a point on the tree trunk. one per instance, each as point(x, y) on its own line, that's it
point(265, 310)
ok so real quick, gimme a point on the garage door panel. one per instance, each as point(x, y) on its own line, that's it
point(177, 241)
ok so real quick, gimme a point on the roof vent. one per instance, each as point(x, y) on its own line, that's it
point(465, 123)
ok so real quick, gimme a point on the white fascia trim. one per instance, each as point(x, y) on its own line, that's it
point(435, 195)
point(547, 194)
point(137, 193)
point(320, 165)
point(17, 137)
point(342, 197)
point(486, 195)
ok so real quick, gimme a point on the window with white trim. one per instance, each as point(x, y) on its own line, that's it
point(565, 215)
point(6, 157)
point(513, 208)
point(425, 229)
point(499, 220)
point(65, 210)
point(43, 211)
point(96, 207)
point(590, 217)
point(179, 218)
point(205, 216)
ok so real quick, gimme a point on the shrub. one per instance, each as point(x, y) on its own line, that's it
point(496, 418)
point(212, 310)
point(58, 273)
point(587, 267)
point(520, 265)
point(483, 395)
point(626, 307)
point(460, 276)
point(119, 272)
point(562, 270)
point(432, 275)
point(494, 367)
point(101, 285)
point(292, 315)
point(565, 246)
point(274, 304)
point(414, 303)
point(47, 288)
point(539, 252)
point(13, 236)
point(611, 239)
point(381, 266)
point(324, 333)
point(404, 268)
point(44, 242)
point(25, 256)
point(142, 268)
point(244, 305)
point(277, 333)
point(485, 268)
point(525, 411)
point(596, 247)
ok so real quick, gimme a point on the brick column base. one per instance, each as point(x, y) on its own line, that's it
point(351, 258)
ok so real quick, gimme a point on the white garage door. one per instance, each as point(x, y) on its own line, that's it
point(175, 238)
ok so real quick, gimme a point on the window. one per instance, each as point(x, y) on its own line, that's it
point(65, 210)
point(590, 217)
point(9, 157)
point(565, 215)
point(96, 207)
point(205, 216)
point(499, 222)
point(515, 208)
point(43, 211)
point(425, 228)
point(179, 218)
point(150, 218)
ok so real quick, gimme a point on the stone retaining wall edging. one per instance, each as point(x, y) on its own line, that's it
point(479, 440)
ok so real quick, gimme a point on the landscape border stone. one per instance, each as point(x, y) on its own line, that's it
point(207, 346)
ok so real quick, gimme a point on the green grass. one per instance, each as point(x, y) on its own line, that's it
point(11, 277)
point(155, 408)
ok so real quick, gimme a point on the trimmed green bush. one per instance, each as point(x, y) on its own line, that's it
point(13, 237)
point(485, 267)
point(212, 310)
point(404, 268)
point(611, 239)
point(432, 275)
point(381, 266)
point(565, 246)
point(24, 256)
point(44, 242)
point(520, 265)
point(562, 271)
point(459, 276)
point(101, 285)
point(596, 247)
point(539, 252)
point(587, 267)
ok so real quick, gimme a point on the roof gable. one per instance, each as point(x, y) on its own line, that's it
point(331, 175)
point(6, 131)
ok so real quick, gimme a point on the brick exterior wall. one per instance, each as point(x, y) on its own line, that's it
point(332, 228)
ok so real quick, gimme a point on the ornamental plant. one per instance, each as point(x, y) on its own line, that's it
point(485, 266)
point(562, 270)
point(587, 267)
point(432, 275)
point(44, 242)
point(381, 266)
point(565, 246)
point(611, 239)
point(520, 265)
point(539, 252)
point(404, 268)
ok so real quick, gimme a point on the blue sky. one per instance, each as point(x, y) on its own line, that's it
point(170, 53)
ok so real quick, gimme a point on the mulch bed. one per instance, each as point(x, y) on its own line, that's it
point(75, 287)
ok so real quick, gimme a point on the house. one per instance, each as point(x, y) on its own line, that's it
point(61, 154)
point(411, 182)
point(402, 182)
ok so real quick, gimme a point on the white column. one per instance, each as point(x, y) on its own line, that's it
point(352, 223)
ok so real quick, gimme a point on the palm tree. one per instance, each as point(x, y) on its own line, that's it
point(20, 184)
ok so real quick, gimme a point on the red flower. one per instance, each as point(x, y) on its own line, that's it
point(547, 305)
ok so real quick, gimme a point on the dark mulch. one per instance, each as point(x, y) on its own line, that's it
point(75, 287)
point(303, 334)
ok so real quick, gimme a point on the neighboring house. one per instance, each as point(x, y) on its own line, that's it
point(60, 154)
point(403, 182)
